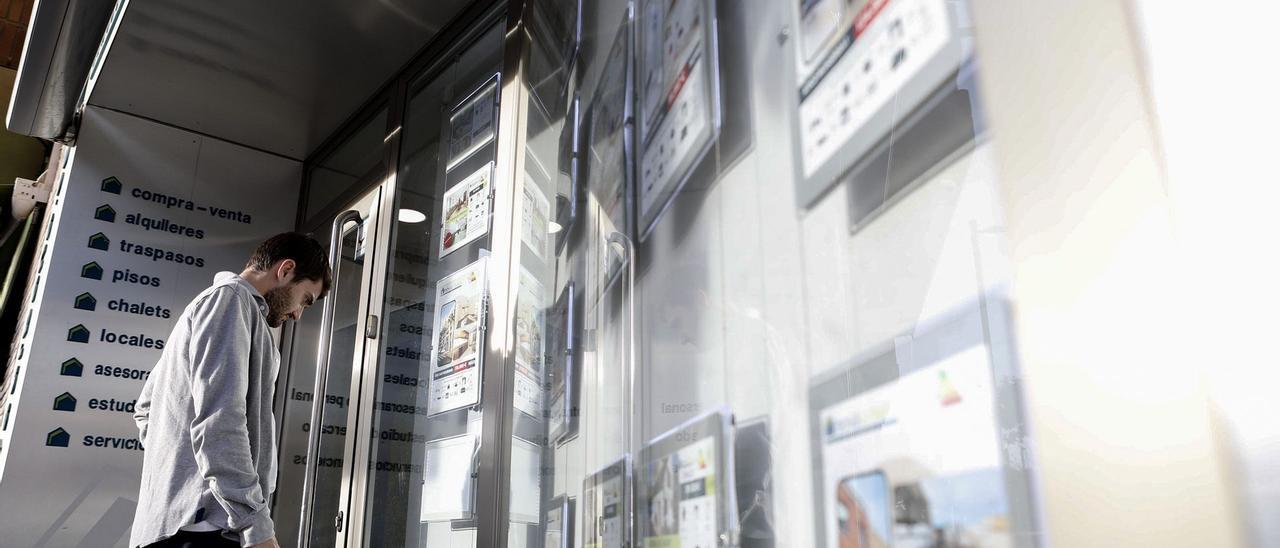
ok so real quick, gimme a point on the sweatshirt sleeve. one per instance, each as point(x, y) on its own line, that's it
point(142, 412)
point(220, 346)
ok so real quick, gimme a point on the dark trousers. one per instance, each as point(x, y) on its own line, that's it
point(188, 539)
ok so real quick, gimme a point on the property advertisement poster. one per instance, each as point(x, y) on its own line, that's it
point(685, 487)
point(534, 231)
point(464, 215)
point(916, 462)
point(562, 410)
point(606, 496)
point(530, 344)
point(679, 498)
point(678, 92)
point(854, 58)
point(459, 337)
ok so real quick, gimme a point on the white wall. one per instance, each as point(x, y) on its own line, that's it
point(1127, 451)
point(1214, 98)
point(83, 494)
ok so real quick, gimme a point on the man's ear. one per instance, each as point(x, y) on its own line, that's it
point(285, 270)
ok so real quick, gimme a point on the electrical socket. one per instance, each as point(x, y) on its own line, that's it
point(27, 189)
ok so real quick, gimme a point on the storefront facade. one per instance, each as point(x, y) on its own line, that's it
point(659, 273)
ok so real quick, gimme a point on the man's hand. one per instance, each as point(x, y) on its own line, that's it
point(269, 543)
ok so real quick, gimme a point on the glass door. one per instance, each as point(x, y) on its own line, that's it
point(327, 353)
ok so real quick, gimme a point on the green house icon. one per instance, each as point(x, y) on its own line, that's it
point(64, 402)
point(92, 271)
point(79, 334)
point(85, 301)
point(112, 185)
point(72, 368)
point(105, 213)
point(57, 438)
point(99, 241)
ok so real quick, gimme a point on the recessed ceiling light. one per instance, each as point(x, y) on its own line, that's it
point(411, 216)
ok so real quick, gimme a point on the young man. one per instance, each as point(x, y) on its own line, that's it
point(204, 415)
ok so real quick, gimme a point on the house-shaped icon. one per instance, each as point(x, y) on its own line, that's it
point(79, 334)
point(92, 271)
point(72, 368)
point(85, 301)
point(112, 185)
point(99, 241)
point(64, 402)
point(57, 438)
point(105, 213)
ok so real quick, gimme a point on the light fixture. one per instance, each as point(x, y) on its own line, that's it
point(554, 227)
point(411, 216)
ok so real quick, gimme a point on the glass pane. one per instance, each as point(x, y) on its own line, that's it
point(426, 417)
point(558, 244)
point(815, 345)
point(359, 159)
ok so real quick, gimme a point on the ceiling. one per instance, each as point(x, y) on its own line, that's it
point(278, 75)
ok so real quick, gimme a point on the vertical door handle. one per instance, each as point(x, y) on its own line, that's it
point(628, 426)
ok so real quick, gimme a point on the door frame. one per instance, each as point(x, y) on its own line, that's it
point(369, 279)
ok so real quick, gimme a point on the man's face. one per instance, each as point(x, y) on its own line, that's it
point(289, 300)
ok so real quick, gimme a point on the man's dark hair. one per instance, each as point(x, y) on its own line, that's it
point(310, 259)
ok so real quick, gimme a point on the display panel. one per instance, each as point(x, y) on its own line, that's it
point(530, 348)
point(564, 17)
point(562, 367)
point(907, 445)
point(464, 216)
point(753, 481)
point(679, 98)
point(534, 231)
point(569, 180)
point(862, 66)
point(942, 131)
point(558, 526)
point(556, 32)
point(473, 123)
point(610, 110)
point(526, 466)
point(606, 505)
point(685, 485)
point(459, 336)
point(447, 479)
point(609, 151)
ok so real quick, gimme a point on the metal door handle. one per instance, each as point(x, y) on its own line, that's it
point(629, 250)
point(322, 376)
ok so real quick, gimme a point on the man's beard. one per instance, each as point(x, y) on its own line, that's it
point(277, 302)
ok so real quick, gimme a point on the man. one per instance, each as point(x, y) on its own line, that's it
point(204, 415)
